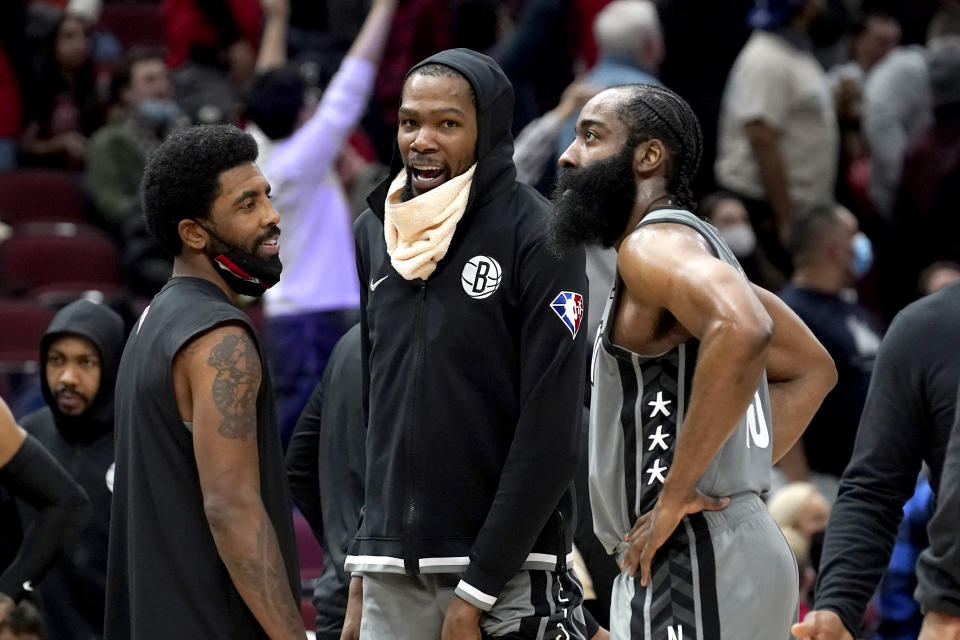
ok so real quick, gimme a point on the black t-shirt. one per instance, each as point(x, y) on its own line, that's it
point(851, 336)
point(165, 578)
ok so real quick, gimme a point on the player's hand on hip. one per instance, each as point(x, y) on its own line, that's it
point(351, 620)
point(821, 625)
point(461, 621)
point(654, 527)
point(940, 626)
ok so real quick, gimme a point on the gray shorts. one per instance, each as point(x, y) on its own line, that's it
point(723, 575)
point(533, 605)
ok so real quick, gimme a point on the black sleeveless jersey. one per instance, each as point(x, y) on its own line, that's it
point(165, 578)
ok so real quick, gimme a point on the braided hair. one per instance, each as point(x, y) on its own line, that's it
point(650, 112)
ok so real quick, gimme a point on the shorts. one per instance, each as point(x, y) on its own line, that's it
point(722, 575)
point(533, 605)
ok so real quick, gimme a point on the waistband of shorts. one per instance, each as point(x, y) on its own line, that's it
point(743, 506)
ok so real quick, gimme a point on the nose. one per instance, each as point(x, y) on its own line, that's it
point(424, 142)
point(68, 375)
point(569, 157)
point(273, 216)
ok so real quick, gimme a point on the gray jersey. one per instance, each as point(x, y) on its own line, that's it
point(637, 409)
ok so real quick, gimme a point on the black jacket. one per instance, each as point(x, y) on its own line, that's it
point(473, 379)
point(72, 592)
point(325, 468)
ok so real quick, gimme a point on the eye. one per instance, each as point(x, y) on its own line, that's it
point(89, 362)
point(450, 124)
point(589, 135)
point(407, 122)
point(54, 360)
point(249, 204)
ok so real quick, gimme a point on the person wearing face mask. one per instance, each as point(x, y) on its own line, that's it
point(118, 152)
point(199, 474)
point(728, 214)
point(830, 255)
point(79, 355)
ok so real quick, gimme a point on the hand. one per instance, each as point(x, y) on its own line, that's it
point(461, 621)
point(577, 94)
point(821, 625)
point(654, 527)
point(73, 144)
point(275, 9)
point(940, 626)
point(351, 620)
point(242, 60)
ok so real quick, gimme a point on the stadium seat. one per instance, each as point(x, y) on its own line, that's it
point(34, 263)
point(24, 324)
point(134, 23)
point(40, 195)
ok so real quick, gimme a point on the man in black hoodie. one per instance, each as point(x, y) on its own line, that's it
point(79, 355)
point(472, 368)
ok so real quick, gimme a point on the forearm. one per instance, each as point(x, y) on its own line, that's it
point(373, 35)
point(247, 544)
point(728, 371)
point(793, 403)
point(773, 177)
point(273, 45)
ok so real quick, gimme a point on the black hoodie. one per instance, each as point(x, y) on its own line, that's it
point(472, 379)
point(72, 592)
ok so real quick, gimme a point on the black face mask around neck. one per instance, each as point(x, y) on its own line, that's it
point(244, 272)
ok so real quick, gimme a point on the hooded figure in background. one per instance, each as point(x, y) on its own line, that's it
point(79, 356)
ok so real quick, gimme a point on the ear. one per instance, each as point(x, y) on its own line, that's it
point(648, 157)
point(192, 235)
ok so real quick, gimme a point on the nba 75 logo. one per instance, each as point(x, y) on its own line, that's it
point(569, 308)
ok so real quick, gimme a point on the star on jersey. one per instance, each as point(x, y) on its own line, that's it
point(656, 472)
point(659, 439)
point(659, 405)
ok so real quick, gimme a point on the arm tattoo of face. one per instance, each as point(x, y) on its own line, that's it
point(235, 388)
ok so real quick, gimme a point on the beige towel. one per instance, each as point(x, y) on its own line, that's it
point(418, 232)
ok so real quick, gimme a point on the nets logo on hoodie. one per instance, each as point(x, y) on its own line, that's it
point(568, 305)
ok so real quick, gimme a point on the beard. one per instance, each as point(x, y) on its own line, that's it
point(592, 204)
point(218, 246)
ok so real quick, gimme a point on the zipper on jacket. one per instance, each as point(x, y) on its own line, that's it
point(561, 546)
point(411, 555)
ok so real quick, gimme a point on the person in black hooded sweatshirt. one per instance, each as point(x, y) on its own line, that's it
point(79, 355)
point(472, 364)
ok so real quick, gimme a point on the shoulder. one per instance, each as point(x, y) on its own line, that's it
point(926, 329)
point(654, 243)
point(367, 223)
point(38, 423)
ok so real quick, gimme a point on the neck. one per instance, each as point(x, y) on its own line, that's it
point(821, 278)
point(199, 266)
point(648, 198)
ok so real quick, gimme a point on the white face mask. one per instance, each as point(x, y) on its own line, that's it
point(740, 238)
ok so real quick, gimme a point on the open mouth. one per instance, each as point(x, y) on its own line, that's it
point(271, 246)
point(427, 177)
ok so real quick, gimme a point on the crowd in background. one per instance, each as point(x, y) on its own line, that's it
point(831, 161)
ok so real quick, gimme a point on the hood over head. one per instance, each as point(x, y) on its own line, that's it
point(104, 328)
point(495, 170)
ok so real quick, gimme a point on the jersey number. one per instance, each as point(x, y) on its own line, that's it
point(757, 424)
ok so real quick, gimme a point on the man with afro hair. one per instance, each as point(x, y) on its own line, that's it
point(201, 536)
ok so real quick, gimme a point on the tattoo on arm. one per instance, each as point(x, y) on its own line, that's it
point(235, 388)
point(265, 574)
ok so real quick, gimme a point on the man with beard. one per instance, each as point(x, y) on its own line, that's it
point(691, 368)
point(201, 536)
point(472, 360)
point(79, 356)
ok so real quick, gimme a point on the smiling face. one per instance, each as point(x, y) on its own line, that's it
point(73, 373)
point(437, 135)
point(242, 214)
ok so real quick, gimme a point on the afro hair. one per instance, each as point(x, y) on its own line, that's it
point(182, 177)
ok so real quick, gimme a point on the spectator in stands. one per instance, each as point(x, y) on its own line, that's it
point(631, 50)
point(318, 298)
point(937, 276)
point(801, 507)
point(79, 356)
point(872, 37)
point(897, 106)
point(63, 107)
point(118, 152)
point(930, 181)
point(22, 622)
point(830, 254)
point(727, 213)
point(12, 63)
point(898, 614)
point(778, 142)
point(105, 49)
point(326, 465)
point(211, 46)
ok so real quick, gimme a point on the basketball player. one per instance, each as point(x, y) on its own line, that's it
point(473, 360)
point(201, 535)
point(700, 382)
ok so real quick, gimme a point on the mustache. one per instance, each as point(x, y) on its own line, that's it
point(273, 231)
point(64, 389)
